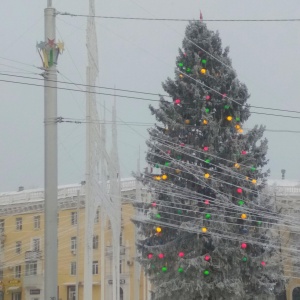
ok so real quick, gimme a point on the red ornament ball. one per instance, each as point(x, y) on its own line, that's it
point(181, 254)
point(161, 255)
point(182, 144)
point(205, 148)
point(150, 255)
point(206, 202)
point(244, 246)
point(207, 258)
point(239, 190)
point(244, 152)
point(177, 101)
point(263, 263)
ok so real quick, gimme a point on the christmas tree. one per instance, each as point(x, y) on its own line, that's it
point(207, 233)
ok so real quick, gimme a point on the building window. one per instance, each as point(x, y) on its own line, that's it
point(31, 268)
point(1, 274)
point(73, 268)
point(17, 271)
point(73, 218)
point(16, 296)
point(37, 222)
point(95, 267)
point(121, 294)
point(96, 220)
point(2, 226)
point(18, 223)
point(71, 292)
point(18, 247)
point(296, 293)
point(95, 242)
point(73, 243)
point(36, 244)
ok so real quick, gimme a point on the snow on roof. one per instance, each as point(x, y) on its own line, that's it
point(69, 190)
point(283, 182)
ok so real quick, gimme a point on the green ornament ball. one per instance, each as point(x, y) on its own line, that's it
point(204, 61)
point(238, 119)
point(164, 269)
point(259, 222)
point(206, 272)
point(180, 270)
point(244, 259)
point(253, 169)
point(179, 211)
point(207, 216)
point(167, 163)
point(188, 70)
point(158, 216)
point(226, 106)
point(180, 64)
point(207, 161)
point(207, 110)
point(241, 202)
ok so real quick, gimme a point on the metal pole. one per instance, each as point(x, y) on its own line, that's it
point(50, 88)
point(77, 248)
point(102, 245)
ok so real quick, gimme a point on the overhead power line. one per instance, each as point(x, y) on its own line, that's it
point(143, 93)
point(122, 96)
point(179, 20)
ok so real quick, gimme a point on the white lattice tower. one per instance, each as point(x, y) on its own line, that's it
point(92, 152)
point(115, 214)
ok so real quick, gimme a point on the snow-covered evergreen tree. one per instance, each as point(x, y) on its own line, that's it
point(208, 231)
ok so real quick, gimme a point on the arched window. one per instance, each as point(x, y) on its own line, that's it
point(296, 293)
point(121, 294)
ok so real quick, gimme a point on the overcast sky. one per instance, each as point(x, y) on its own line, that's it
point(139, 55)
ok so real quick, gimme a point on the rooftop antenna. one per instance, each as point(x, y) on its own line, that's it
point(283, 174)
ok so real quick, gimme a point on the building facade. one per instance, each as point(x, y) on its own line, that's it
point(22, 247)
point(287, 196)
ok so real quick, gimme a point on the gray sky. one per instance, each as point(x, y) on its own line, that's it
point(139, 56)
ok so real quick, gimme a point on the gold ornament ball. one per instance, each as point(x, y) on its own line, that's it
point(237, 165)
point(237, 126)
point(229, 118)
point(206, 175)
point(203, 71)
point(244, 216)
point(205, 122)
point(204, 229)
point(187, 122)
point(158, 178)
point(164, 177)
point(254, 181)
point(240, 130)
point(158, 229)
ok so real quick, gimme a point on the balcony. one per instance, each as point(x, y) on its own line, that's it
point(109, 250)
point(33, 255)
point(33, 281)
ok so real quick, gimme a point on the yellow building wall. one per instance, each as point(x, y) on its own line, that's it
point(9, 258)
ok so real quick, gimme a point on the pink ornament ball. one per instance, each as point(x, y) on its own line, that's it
point(263, 263)
point(224, 95)
point(161, 255)
point(169, 152)
point(207, 97)
point(182, 144)
point(244, 246)
point(239, 190)
point(154, 204)
point(206, 202)
point(181, 254)
point(207, 258)
point(244, 152)
point(150, 255)
point(177, 101)
point(205, 148)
